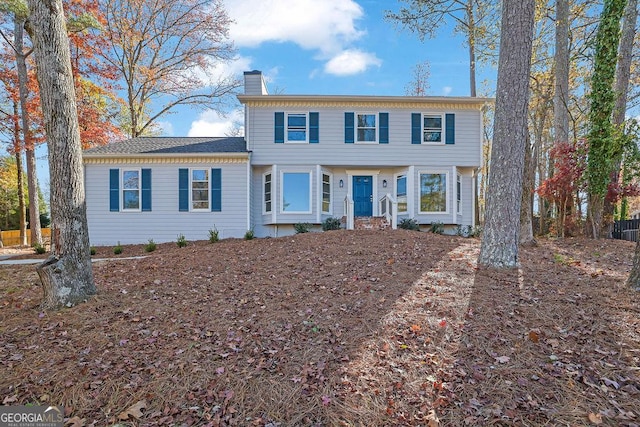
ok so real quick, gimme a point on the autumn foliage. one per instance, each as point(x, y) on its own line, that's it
point(562, 188)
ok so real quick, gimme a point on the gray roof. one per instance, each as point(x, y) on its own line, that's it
point(171, 145)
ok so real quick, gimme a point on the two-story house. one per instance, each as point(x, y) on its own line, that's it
point(303, 159)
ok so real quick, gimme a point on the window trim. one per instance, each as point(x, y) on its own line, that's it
point(291, 171)
point(395, 190)
point(264, 193)
point(356, 127)
point(446, 194)
point(122, 189)
point(330, 209)
point(208, 171)
point(286, 127)
point(443, 130)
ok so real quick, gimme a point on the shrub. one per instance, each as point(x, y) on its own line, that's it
point(409, 224)
point(151, 246)
point(92, 251)
point(437, 227)
point(214, 235)
point(117, 249)
point(40, 249)
point(331, 224)
point(181, 241)
point(249, 235)
point(302, 227)
point(474, 231)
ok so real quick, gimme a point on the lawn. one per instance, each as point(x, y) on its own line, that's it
point(341, 328)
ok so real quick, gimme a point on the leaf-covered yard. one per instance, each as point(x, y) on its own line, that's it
point(342, 328)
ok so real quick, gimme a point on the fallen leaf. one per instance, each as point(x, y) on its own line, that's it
point(443, 323)
point(534, 337)
point(135, 411)
point(7, 400)
point(595, 418)
point(415, 328)
point(433, 419)
point(76, 422)
point(502, 359)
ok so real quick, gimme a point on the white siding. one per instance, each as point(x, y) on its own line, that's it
point(164, 223)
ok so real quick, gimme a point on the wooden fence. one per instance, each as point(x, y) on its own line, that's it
point(626, 230)
point(12, 237)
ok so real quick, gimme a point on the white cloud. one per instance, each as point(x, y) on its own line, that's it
point(166, 128)
point(447, 90)
point(211, 123)
point(352, 61)
point(324, 25)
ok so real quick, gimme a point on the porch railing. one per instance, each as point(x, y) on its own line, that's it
point(389, 210)
point(349, 212)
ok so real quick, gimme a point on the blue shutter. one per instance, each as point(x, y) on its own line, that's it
point(183, 190)
point(216, 190)
point(279, 129)
point(384, 128)
point(114, 190)
point(314, 129)
point(416, 128)
point(348, 128)
point(146, 190)
point(450, 128)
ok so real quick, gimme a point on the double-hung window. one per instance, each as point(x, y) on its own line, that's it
point(401, 193)
point(432, 128)
point(296, 127)
point(296, 192)
point(366, 129)
point(199, 189)
point(131, 190)
point(433, 192)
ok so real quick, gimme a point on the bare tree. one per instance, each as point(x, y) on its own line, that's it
point(561, 59)
point(424, 17)
point(500, 237)
point(67, 275)
point(420, 83)
point(164, 51)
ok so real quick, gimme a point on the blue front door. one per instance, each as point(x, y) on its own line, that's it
point(363, 195)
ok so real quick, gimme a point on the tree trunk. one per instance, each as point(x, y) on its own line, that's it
point(500, 239)
point(561, 95)
point(526, 209)
point(29, 148)
point(634, 277)
point(67, 275)
point(21, 204)
point(471, 41)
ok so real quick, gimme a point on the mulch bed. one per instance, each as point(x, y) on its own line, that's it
point(342, 328)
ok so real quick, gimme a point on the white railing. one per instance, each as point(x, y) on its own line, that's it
point(389, 210)
point(349, 212)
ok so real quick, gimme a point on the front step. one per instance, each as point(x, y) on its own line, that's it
point(370, 223)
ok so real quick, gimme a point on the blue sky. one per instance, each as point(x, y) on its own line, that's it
point(335, 47)
point(329, 47)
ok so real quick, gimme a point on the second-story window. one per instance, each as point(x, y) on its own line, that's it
point(296, 127)
point(366, 128)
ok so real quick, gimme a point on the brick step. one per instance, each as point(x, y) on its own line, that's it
point(370, 223)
